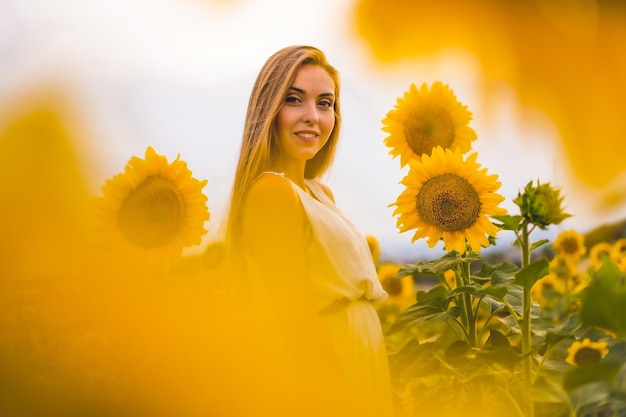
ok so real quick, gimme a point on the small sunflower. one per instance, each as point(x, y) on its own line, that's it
point(599, 252)
point(447, 197)
point(569, 244)
point(153, 206)
point(580, 353)
point(424, 119)
point(545, 288)
point(397, 288)
point(618, 251)
point(563, 268)
point(581, 282)
point(450, 278)
point(374, 247)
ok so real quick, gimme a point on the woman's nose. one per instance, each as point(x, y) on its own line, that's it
point(310, 113)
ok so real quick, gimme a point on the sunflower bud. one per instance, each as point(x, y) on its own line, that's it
point(541, 205)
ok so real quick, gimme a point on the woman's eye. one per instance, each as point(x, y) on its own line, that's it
point(325, 103)
point(292, 99)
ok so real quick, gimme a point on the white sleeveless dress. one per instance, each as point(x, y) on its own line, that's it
point(347, 288)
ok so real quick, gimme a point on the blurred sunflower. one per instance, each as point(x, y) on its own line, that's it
point(618, 251)
point(580, 353)
point(374, 247)
point(426, 118)
point(450, 198)
point(450, 277)
point(399, 289)
point(563, 267)
point(580, 282)
point(544, 289)
point(599, 252)
point(153, 207)
point(569, 244)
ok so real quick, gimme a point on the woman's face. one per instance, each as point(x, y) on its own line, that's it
point(307, 117)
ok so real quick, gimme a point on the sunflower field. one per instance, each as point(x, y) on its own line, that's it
point(540, 332)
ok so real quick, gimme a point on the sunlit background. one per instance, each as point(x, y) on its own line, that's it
point(543, 80)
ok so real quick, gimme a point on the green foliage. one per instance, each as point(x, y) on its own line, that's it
point(481, 342)
point(604, 303)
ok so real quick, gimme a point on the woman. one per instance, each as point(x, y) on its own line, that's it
point(312, 280)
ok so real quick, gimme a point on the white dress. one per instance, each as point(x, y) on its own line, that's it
point(346, 290)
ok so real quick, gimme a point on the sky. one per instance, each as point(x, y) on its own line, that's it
point(176, 75)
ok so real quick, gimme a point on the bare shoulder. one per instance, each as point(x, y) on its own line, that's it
point(327, 191)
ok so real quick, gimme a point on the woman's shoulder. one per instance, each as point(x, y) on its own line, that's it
point(271, 187)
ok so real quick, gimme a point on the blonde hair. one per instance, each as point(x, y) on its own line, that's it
point(259, 134)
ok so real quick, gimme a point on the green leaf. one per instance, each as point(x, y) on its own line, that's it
point(527, 276)
point(507, 357)
point(437, 266)
point(515, 298)
point(494, 292)
point(548, 390)
point(509, 222)
point(414, 359)
point(604, 301)
point(497, 340)
point(500, 277)
point(498, 349)
point(457, 349)
point(433, 310)
point(438, 291)
point(405, 271)
point(538, 244)
point(469, 288)
point(566, 330)
point(603, 371)
point(504, 269)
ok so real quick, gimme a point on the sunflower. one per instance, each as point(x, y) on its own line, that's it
point(599, 252)
point(424, 119)
point(450, 198)
point(545, 288)
point(374, 247)
point(153, 206)
point(569, 244)
point(580, 353)
point(618, 251)
point(398, 288)
point(562, 267)
point(450, 278)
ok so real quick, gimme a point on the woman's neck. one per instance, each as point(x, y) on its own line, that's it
point(295, 172)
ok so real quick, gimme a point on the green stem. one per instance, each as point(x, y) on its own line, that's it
point(525, 324)
point(466, 304)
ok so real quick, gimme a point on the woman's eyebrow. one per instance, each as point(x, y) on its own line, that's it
point(301, 91)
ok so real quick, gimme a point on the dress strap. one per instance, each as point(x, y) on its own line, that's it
point(280, 174)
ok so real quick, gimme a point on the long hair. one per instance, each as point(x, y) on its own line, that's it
point(260, 131)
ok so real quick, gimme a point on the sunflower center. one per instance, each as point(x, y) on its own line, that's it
point(428, 127)
point(587, 355)
point(393, 287)
point(448, 202)
point(570, 246)
point(152, 214)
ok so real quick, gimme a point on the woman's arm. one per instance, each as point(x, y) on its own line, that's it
point(273, 226)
